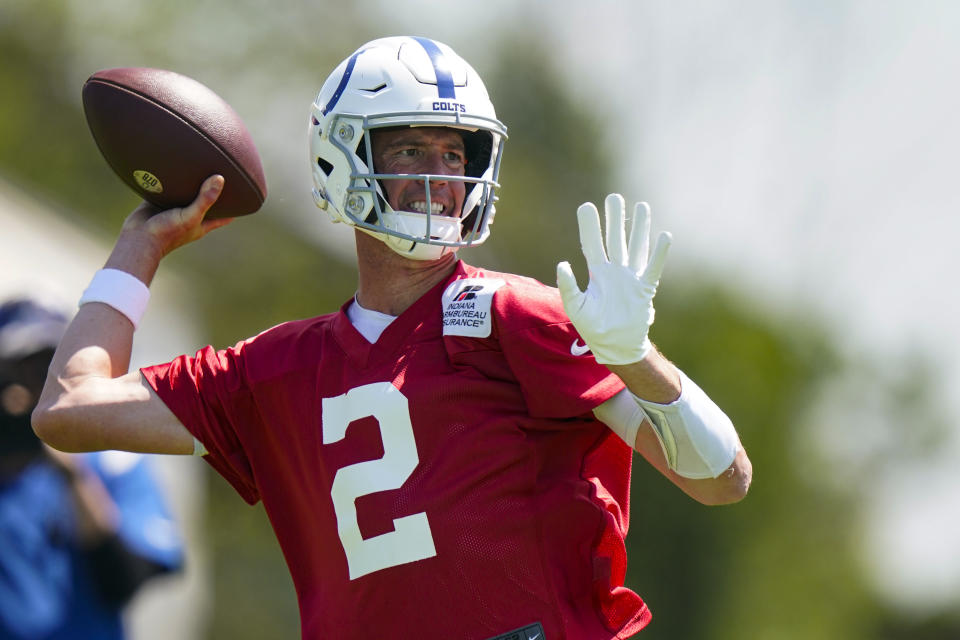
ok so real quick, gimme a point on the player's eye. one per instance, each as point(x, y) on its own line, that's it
point(454, 158)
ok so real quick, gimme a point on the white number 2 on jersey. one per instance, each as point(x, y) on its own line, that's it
point(411, 539)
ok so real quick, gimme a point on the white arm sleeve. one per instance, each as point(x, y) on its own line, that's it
point(698, 439)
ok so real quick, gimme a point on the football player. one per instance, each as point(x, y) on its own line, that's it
point(448, 455)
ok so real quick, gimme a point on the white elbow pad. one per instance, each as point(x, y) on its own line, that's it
point(698, 439)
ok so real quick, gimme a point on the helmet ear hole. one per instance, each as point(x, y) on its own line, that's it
point(325, 166)
point(362, 154)
point(381, 206)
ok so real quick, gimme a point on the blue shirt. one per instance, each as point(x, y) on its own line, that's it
point(46, 591)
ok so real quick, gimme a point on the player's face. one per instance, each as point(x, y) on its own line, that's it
point(433, 150)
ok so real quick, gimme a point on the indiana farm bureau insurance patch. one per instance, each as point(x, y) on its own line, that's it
point(466, 307)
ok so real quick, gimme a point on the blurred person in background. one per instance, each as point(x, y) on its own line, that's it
point(79, 534)
point(449, 454)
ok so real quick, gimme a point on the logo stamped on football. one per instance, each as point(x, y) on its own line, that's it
point(147, 181)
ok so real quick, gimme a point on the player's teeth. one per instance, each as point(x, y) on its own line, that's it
point(421, 207)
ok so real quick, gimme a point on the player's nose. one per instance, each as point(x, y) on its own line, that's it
point(435, 164)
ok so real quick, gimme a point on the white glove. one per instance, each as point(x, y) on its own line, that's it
point(615, 313)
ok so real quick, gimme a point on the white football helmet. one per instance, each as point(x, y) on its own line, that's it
point(404, 81)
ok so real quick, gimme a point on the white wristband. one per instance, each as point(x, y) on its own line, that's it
point(120, 290)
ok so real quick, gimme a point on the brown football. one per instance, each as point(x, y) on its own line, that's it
point(164, 133)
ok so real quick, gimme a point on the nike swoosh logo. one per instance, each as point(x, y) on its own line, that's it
point(534, 637)
point(578, 349)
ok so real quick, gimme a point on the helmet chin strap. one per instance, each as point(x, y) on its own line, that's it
point(415, 224)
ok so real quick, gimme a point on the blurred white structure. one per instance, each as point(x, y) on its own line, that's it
point(41, 252)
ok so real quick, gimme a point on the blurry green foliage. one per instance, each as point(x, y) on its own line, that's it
point(44, 143)
point(757, 568)
point(253, 592)
point(556, 157)
point(783, 564)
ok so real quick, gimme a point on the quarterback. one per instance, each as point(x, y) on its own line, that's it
point(447, 455)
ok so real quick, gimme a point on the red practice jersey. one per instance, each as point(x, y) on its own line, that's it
point(448, 481)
